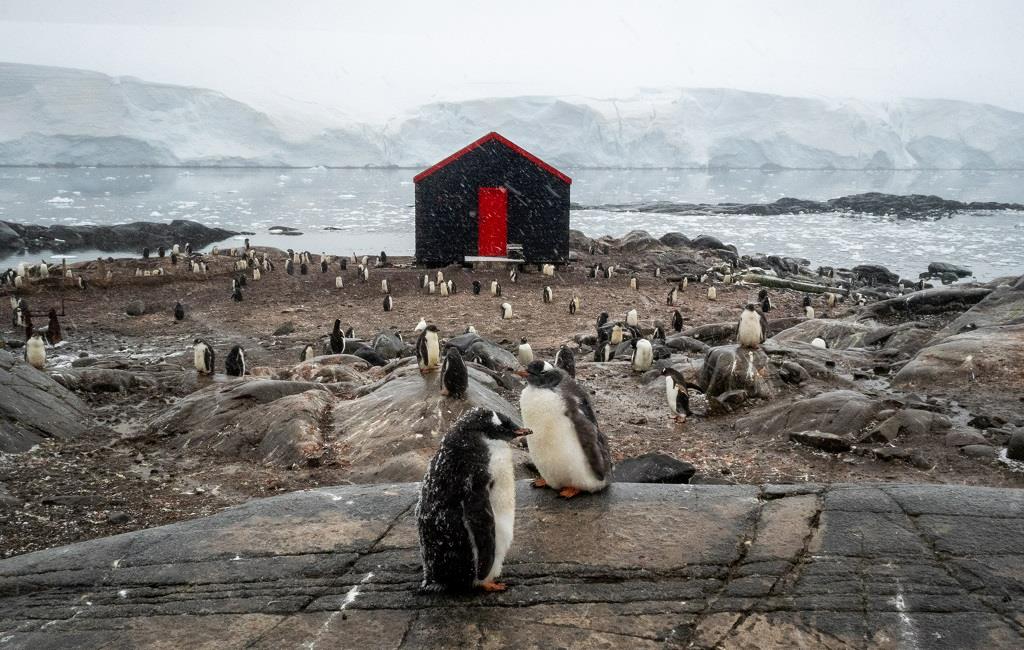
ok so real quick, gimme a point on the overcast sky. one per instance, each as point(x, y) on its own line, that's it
point(374, 58)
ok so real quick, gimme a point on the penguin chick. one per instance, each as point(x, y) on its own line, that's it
point(466, 511)
point(752, 328)
point(567, 446)
point(454, 376)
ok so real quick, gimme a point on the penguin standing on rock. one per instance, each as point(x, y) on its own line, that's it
point(337, 338)
point(35, 352)
point(466, 510)
point(303, 269)
point(428, 349)
point(289, 267)
point(234, 365)
point(525, 353)
point(454, 376)
point(565, 359)
point(752, 328)
point(203, 357)
point(567, 447)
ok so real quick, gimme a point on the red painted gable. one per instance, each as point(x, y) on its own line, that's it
point(503, 140)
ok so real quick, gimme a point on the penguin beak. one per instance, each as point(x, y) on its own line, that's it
point(521, 433)
point(522, 373)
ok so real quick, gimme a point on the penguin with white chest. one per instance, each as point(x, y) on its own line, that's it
point(565, 359)
point(643, 355)
point(567, 446)
point(752, 329)
point(35, 352)
point(525, 353)
point(307, 353)
point(676, 393)
point(202, 357)
point(428, 349)
point(466, 511)
point(454, 376)
point(506, 311)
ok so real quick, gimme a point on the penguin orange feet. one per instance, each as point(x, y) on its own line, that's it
point(539, 483)
point(492, 587)
point(568, 492)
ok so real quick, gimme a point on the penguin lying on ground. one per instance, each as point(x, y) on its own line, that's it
point(567, 447)
point(466, 511)
point(454, 376)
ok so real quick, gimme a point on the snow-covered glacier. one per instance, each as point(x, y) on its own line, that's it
point(73, 117)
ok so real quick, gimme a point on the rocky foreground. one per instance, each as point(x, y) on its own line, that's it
point(120, 433)
point(638, 566)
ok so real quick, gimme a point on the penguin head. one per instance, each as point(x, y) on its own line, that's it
point(522, 340)
point(541, 374)
point(750, 307)
point(492, 425)
point(762, 294)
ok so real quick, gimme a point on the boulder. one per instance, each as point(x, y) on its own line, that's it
point(652, 468)
point(843, 412)
point(838, 334)
point(638, 241)
point(388, 345)
point(135, 308)
point(908, 422)
point(828, 442)
point(1003, 306)
point(712, 333)
point(285, 328)
point(979, 451)
point(1015, 448)
point(963, 438)
point(730, 367)
point(990, 357)
point(875, 274)
point(683, 343)
point(34, 407)
point(942, 268)
point(492, 356)
point(929, 301)
point(391, 433)
point(675, 240)
point(707, 242)
point(108, 380)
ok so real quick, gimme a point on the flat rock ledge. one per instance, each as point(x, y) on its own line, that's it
point(639, 566)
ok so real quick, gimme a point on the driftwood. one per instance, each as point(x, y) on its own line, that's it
point(780, 283)
point(930, 301)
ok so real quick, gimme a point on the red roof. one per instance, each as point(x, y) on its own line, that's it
point(479, 143)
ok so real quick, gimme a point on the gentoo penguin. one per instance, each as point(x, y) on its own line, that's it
point(632, 318)
point(440, 277)
point(609, 272)
point(385, 286)
point(241, 279)
point(677, 321)
point(466, 511)
point(424, 280)
point(337, 338)
point(307, 353)
point(175, 249)
point(831, 299)
point(203, 357)
point(506, 311)
point(339, 282)
point(382, 259)
point(673, 295)
point(428, 349)
point(389, 304)
point(145, 253)
point(495, 288)
point(765, 300)
point(604, 352)
point(643, 355)
point(303, 269)
point(566, 447)
point(53, 333)
point(712, 293)
point(809, 311)
point(364, 274)
point(161, 252)
point(26, 320)
point(234, 365)
point(727, 278)
point(443, 287)
point(454, 376)
point(657, 271)
point(236, 294)
point(676, 393)
point(616, 335)
point(247, 243)
point(602, 318)
point(524, 353)
point(565, 359)
point(548, 269)
point(513, 275)
point(634, 284)
point(548, 295)
point(35, 351)
point(289, 267)
point(807, 300)
point(256, 275)
point(343, 262)
point(819, 343)
point(476, 287)
point(431, 288)
point(44, 270)
point(451, 287)
point(574, 304)
point(752, 328)
point(659, 333)
point(323, 266)
point(174, 260)
point(420, 326)
point(188, 248)
point(470, 329)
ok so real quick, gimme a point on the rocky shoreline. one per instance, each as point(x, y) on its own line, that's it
point(910, 206)
point(120, 237)
point(913, 385)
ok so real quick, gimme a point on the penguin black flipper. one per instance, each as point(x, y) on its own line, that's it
point(764, 328)
point(209, 356)
point(456, 523)
point(478, 518)
point(593, 442)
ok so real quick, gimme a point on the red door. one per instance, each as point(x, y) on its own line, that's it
point(493, 225)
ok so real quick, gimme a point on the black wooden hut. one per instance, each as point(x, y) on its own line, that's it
point(488, 198)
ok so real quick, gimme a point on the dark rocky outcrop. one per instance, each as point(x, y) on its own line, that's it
point(653, 468)
point(730, 368)
point(33, 407)
point(842, 412)
point(127, 236)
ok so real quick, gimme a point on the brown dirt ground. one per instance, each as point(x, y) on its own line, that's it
point(109, 471)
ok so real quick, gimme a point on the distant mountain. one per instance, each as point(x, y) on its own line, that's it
point(61, 116)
